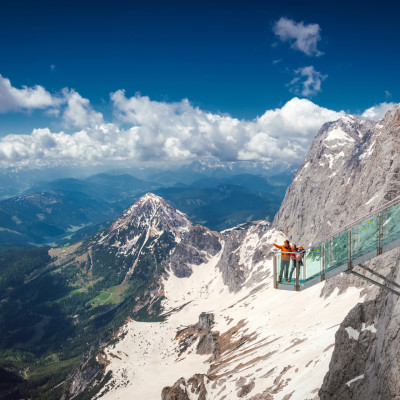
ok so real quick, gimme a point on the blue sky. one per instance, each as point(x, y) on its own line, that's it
point(240, 59)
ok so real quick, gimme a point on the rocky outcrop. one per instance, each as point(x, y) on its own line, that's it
point(200, 332)
point(192, 389)
point(366, 360)
point(198, 245)
point(208, 339)
point(245, 251)
point(232, 274)
point(85, 377)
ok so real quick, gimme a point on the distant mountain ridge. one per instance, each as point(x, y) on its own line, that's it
point(17, 181)
point(66, 210)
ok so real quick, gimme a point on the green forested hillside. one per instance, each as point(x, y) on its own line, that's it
point(57, 305)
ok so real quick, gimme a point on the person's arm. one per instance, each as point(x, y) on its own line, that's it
point(277, 245)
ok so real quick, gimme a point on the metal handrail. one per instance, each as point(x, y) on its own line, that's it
point(327, 270)
point(384, 207)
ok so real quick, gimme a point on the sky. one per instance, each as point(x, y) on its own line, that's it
point(175, 81)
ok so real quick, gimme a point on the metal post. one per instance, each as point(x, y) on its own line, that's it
point(323, 262)
point(350, 264)
point(379, 234)
point(297, 275)
point(274, 264)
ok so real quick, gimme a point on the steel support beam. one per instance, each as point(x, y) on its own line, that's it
point(375, 283)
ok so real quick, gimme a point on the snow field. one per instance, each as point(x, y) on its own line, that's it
point(286, 338)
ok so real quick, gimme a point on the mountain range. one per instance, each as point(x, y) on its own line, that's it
point(157, 306)
point(66, 210)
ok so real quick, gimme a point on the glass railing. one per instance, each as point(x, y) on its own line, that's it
point(290, 271)
point(365, 239)
point(390, 226)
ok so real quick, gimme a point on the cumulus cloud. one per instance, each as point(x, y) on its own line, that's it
point(307, 81)
point(301, 37)
point(79, 113)
point(13, 99)
point(173, 132)
point(378, 112)
point(76, 111)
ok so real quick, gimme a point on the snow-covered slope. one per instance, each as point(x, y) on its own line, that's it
point(254, 341)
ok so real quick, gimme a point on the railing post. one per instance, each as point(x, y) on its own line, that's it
point(379, 234)
point(297, 275)
point(274, 264)
point(323, 262)
point(350, 264)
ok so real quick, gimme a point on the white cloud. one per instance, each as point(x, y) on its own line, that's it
point(13, 99)
point(307, 81)
point(302, 37)
point(76, 111)
point(171, 132)
point(378, 112)
point(79, 113)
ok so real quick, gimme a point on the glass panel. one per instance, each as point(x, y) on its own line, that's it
point(312, 264)
point(364, 237)
point(390, 224)
point(337, 251)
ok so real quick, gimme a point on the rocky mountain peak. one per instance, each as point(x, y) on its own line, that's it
point(351, 168)
point(391, 119)
point(153, 214)
point(341, 134)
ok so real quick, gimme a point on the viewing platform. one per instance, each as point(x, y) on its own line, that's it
point(368, 237)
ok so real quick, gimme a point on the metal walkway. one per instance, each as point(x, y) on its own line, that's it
point(371, 235)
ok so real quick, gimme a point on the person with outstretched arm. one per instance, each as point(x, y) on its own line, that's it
point(285, 260)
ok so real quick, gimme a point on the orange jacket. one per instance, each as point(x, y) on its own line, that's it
point(285, 257)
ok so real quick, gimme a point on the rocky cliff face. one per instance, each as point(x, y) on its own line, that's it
point(366, 360)
point(199, 244)
point(352, 168)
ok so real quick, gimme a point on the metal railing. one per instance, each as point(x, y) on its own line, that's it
point(367, 237)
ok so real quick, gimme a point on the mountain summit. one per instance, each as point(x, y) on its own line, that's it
point(143, 236)
point(150, 216)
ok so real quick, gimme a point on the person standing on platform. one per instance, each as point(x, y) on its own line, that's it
point(285, 260)
point(293, 254)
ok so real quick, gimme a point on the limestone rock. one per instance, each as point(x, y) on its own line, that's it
point(198, 245)
point(367, 366)
point(192, 389)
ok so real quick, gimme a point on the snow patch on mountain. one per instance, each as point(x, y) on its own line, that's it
point(265, 340)
point(337, 135)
